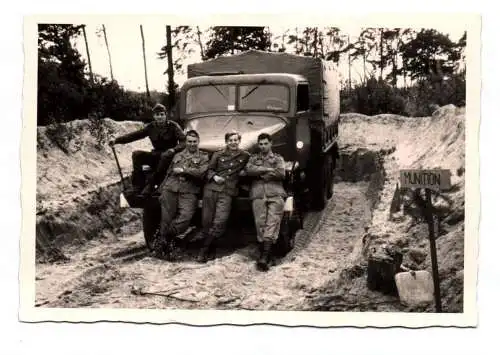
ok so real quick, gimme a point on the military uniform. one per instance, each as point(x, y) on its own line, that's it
point(217, 198)
point(164, 135)
point(179, 193)
point(268, 198)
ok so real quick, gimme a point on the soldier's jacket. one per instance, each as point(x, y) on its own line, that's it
point(228, 165)
point(164, 135)
point(190, 181)
point(269, 184)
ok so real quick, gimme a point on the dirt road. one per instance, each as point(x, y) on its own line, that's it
point(105, 274)
point(108, 265)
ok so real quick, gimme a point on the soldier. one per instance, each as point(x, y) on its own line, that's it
point(167, 139)
point(268, 196)
point(223, 174)
point(179, 193)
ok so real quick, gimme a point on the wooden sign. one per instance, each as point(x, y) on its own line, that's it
point(435, 179)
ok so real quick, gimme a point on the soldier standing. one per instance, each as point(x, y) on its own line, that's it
point(268, 196)
point(179, 193)
point(223, 174)
point(167, 139)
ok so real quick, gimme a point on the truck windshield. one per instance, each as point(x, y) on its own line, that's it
point(263, 97)
point(210, 98)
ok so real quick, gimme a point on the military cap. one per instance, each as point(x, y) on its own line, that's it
point(159, 108)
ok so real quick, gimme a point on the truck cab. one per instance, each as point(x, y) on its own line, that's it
point(277, 104)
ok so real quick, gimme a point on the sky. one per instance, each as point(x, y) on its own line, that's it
point(126, 53)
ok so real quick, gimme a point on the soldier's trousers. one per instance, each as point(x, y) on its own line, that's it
point(177, 210)
point(158, 161)
point(216, 209)
point(268, 213)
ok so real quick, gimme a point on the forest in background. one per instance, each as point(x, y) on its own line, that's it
point(404, 71)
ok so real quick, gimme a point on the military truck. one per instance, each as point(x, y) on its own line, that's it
point(295, 99)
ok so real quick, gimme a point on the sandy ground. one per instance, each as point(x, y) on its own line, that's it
point(95, 278)
point(326, 271)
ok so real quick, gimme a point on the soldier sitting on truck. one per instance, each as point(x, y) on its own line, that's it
point(222, 186)
point(268, 196)
point(167, 139)
point(179, 194)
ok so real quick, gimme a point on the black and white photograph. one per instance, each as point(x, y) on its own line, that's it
point(265, 171)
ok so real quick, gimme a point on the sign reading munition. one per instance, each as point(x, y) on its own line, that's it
point(436, 179)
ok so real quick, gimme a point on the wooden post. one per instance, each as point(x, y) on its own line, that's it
point(432, 241)
point(433, 179)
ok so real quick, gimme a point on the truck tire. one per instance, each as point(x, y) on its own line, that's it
point(289, 227)
point(151, 216)
point(319, 191)
point(331, 167)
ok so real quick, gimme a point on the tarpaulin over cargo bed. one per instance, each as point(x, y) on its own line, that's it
point(323, 79)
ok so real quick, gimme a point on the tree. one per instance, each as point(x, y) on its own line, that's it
point(200, 43)
point(61, 76)
point(390, 53)
point(338, 44)
point(430, 55)
point(88, 53)
point(360, 49)
point(170, 70)
point(144, 58)
point(182, 39)
point(103, 31)
point(294, 38)
point(232, 40)
point(459, 55)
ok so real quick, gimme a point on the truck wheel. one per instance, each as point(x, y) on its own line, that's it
point(320, 188)
point(290, 224)
point(151, 216)
point(331, 167)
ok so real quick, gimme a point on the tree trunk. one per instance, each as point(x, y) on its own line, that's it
point(297, 40)
point(315, 42)
point(349, 59)
point(394, 70)
point(381, 53)
point(109, 52)
point(198, 32)
point(322, 47)
point(170, 73)
point(145, 66)
point(88, 54)
point(364, 67)
point(232, 42)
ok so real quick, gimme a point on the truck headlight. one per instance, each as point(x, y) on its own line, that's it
point(300, 144)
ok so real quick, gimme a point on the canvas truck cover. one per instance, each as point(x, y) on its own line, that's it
point(323, 80)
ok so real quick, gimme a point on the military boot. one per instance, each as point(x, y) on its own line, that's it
point(264, 259)
point(260, 250)
point(207, 248)
point(158, 246)
point(168, 249)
